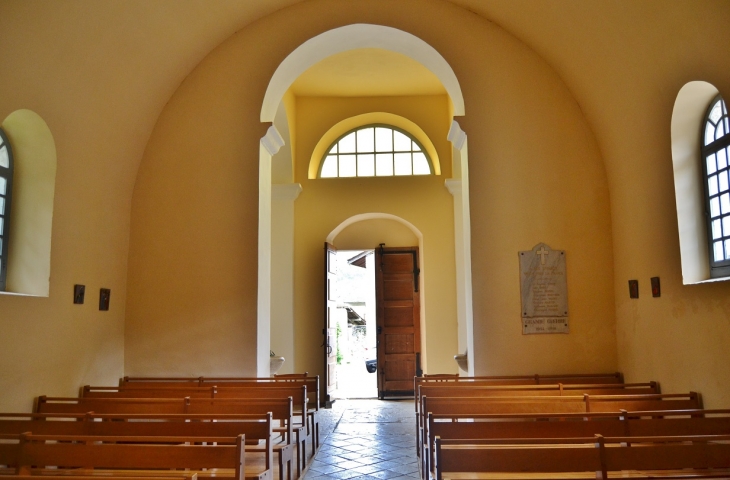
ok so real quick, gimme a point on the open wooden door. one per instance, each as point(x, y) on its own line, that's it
point(330, 328)
point(398, 319)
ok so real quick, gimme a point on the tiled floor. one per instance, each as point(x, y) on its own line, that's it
point(366, 439)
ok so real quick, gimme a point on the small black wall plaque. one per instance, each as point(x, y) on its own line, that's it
point(104, 295)
point(79, 291)
point(633, 289)
point(656, 289)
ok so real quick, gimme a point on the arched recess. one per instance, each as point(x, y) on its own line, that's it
point(329, 43)
point(688, 116)
point(31, 218)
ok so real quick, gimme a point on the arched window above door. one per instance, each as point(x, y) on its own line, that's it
point(375, 151)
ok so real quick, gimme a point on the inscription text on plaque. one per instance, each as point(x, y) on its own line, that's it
point(544, 290)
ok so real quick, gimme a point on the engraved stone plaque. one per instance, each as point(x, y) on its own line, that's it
point(544, 290)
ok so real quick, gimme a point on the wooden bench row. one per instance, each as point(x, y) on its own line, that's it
point(258, 429)
point(281, 410)
point(28, 454)
point(525, 426)
point(594, 457)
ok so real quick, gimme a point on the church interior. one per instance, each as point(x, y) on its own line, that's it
point(169, 152)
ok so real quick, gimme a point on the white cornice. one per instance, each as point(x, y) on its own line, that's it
point(453, 185)
point(456, 135)
point(272, 141)
point(286, 191)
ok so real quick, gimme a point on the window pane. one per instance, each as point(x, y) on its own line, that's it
point(416, 148)
point(3, 185)
point(716, 229)
point(347, 165)
point(402, 143)
point(726, 226)
point(709, 133)
point(1, 245)
point(420, 164)
point(383, 140)
point(403, 165)
point(366, 165)
point(725, 203)
point(714, 207)
point(329, 167)
point(4, 158)
point(1, 225)
point(333, 150)
point(719, 254)
point(366, 140)
point(712, 185)
point(727, 249)
point(2, 205)
point(347, 144)
point(721, 159)
point(719, 130)
point(723, 181)
point(384, 164)
point(711, 165)
point(716, 112)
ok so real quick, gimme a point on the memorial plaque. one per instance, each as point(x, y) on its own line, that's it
point(544, 290)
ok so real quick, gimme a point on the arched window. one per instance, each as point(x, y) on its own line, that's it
point(716, 153)
point(375, 151)
point(6, 184)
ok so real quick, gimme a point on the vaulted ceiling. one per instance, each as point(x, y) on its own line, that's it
point(129, 56)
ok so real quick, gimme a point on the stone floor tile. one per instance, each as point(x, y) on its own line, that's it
point(366, 440)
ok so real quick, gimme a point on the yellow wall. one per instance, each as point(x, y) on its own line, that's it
point(364, 234)
point(536, 176)
point(423, 201)
point(536, 171)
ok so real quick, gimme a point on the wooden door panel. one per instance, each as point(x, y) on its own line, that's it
point(398, 289)
point(402, 343)
point(398, 319)
point(398, 316)
point(398, 263)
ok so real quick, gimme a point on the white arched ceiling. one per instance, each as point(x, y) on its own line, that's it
point(352, 37)
point(372, 216)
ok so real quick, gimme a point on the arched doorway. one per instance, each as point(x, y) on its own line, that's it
point(343, 39)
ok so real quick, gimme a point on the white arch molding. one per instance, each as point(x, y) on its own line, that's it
point(318, 48)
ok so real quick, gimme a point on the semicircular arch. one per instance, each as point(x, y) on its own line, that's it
point(351, 37)
point(351, 123)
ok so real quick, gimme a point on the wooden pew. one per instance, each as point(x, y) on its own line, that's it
point(74, 476)
point(256, 427)
point(281, 409)
point(312, 384)
point(297, 391)
point(149, 456)
point(558, 405)
point(657, 457)
point(581, 378)
point(478, 389)
point(627, 424)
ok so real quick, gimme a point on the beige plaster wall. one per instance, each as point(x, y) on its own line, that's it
point(536, 176)
point(364, 234)
point(423, 201)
